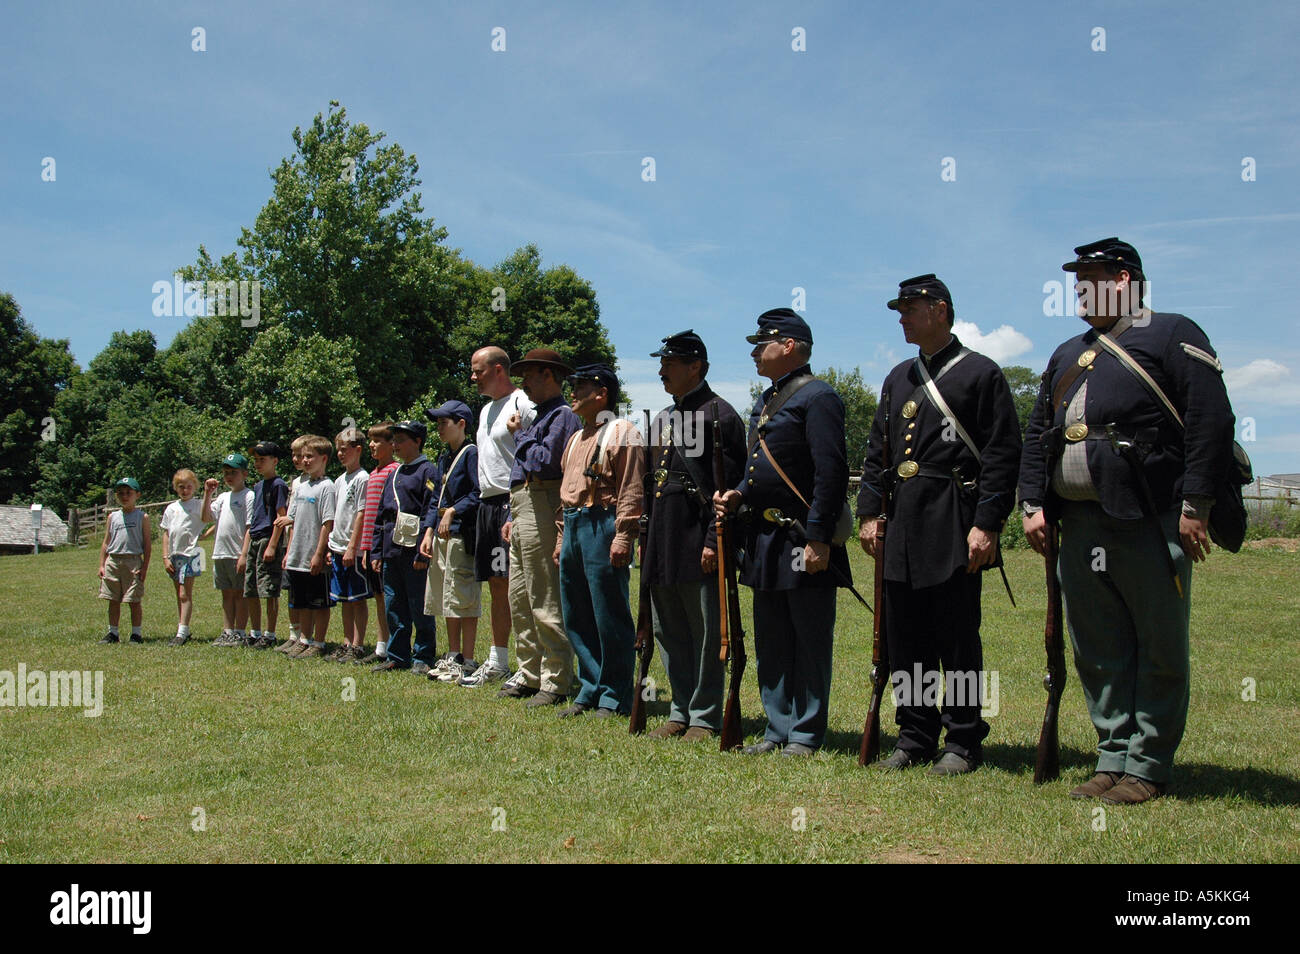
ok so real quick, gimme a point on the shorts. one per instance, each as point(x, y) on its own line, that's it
point(186, 567)
point(451, 589)
point(347, 583)
point(261, 579)
point(308, 591)
point(226, 575)
point(491, 553)
point(121, 582)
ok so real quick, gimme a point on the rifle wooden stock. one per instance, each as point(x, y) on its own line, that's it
point(870, 749)
point(1047, 764)
point(729, 621)
point(645, 637)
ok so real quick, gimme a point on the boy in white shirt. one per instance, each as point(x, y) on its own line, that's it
point(181, 525)
point(311, 519)
point(229, 512)
point(348, 585)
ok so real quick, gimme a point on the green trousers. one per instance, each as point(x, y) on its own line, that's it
point(1129, 628)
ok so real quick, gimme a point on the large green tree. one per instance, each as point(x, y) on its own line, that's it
point(36, 371)
point(1024, 391)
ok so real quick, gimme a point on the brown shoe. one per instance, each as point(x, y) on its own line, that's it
point(545, 698)
point(310, 651)
point(1131, 790)
point(698, 733)
point(668, 730)
point(1095, 786)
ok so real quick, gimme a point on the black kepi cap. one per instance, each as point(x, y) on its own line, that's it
point(1107, 251)
point(685, 344)
point(922, 286)
point(414, 428)
point(780, 323)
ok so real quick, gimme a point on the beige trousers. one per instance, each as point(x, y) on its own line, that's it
point(542, 649)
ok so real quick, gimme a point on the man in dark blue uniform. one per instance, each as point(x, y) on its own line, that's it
point(679, 549)
point(1132, 519)
point(954, 443)
point(796, 463)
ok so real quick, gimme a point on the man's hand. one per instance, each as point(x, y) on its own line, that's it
point(444, 525)
point(1195, 535)
point(708, 561)
point(1035, 525)
point(982, 549)
point(867, 536)
point(816, 556)
point(555, 557)
point(620, 553)
point(505, 531)
point(725, 503)
point(513, 422)
point(426, 544)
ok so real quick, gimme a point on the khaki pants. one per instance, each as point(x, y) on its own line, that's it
point(542, 649)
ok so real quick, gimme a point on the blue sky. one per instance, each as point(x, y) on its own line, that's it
point(775, 169)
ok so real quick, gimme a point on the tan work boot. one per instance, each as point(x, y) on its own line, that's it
point(1096, 786)
point(698, 733)
point(1131, 790)
point(668, 730)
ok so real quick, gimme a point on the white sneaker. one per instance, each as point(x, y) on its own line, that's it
point(443, 668)
point(487, 673)
point(457, 669)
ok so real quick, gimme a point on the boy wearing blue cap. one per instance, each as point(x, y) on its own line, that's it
point(452, 591)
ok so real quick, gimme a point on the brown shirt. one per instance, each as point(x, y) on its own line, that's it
point(621, 469)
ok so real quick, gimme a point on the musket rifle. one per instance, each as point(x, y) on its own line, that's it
point(870, 749)
point(729, 619)
point(645, 638)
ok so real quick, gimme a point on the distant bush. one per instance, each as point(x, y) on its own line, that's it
point(1280, 520)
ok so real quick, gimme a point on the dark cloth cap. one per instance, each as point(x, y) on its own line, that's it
point(267, 449)
point(540, 358)
point(780, 323)
point(1107, 251)
point(685, 344)
point(455, 410)
point(604, 377)
point(922, 286)
point(414, 428)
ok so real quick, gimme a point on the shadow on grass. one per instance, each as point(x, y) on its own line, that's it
point(1196, 781)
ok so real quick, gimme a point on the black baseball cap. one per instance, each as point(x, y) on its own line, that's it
point(414, 428)
point(604, 377)
point(267, 449)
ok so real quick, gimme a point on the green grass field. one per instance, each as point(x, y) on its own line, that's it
point(285, 769)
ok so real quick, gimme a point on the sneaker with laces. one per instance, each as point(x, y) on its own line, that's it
point(516, 688)
point(137, 638)
point(288, 646)
point(441, 665)
point(459, 670)
point(180, 639)
point(311, 651)
point(371, 658)
point(263, 642)
point(227, 638)
point(110, 637)
point(296, 649)
point(486, 673)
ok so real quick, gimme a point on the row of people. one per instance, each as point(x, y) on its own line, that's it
point(546, 505)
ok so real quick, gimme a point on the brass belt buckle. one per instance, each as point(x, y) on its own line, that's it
point(908, 468)
point(1076, 432)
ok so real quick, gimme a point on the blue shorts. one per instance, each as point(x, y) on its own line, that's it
point(347, 583)
point(186, 566)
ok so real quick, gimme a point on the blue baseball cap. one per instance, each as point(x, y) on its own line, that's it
point(452, 410)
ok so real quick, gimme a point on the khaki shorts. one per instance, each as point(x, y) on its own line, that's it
point(121, 582)
point(452, 590)
point(226, 575)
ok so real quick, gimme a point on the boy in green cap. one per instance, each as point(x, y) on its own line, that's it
point(229, 512)
point(124, 560)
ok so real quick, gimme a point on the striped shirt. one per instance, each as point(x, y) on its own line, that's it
point(374, 491)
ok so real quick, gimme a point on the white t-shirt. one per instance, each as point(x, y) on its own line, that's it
point(183, 521)
point(350, 494)
point(496, 445)
point(230, 512)
point(312, 505)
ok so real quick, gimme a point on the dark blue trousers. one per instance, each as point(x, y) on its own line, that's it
point(404, 606)
point(793, 635)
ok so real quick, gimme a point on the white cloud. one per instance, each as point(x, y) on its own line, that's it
point(1002, 344)
point(1263, 380)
